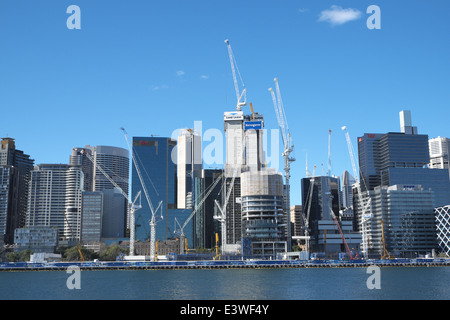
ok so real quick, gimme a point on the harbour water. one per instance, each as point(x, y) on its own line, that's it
point(399, 283)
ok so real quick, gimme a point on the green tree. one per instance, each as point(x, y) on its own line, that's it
point(72, 254)
point(111, 252)
point(21, 256)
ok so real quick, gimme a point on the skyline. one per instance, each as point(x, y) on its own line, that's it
point(129, 63)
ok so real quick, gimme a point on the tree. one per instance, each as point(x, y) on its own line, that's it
point(72, 254)
point(21, 256)
point(111, 252)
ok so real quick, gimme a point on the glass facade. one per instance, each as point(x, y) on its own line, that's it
point(408, 221)
point(153, 155)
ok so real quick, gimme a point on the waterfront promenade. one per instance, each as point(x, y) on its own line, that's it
point(220, 264)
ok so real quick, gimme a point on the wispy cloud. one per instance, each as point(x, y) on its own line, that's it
point(303, 10)
point(158, 87)
point(204, 76)
point(337, 15)
point(180, 73)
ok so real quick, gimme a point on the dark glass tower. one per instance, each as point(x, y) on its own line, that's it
point(153, 155)
point(20, 166)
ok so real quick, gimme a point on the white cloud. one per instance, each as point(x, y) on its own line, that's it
point(180, 73)
point(204, 76)
point(158, 87)
point(336, 15)
point(303, 10)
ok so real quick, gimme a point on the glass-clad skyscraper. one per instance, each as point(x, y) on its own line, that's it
point(156, 159)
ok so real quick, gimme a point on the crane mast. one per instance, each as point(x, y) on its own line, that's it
point(240, 96)
point(133, 205)
point(288, 148)
point(182, 235)
point(364, 206)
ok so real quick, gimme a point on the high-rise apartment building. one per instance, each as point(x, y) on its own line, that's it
point(15, 167)
point(8, 202)
point(55, 199)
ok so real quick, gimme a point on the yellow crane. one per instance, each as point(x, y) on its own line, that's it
point(73, 236)
point(385, 252)
point(251, 109)
point(217, 247)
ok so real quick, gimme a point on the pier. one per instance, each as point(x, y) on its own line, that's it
point(221, 264)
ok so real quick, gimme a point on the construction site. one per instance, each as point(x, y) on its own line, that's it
point(251, 202)
point(243, 212)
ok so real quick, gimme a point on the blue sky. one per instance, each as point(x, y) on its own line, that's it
point(156, 66)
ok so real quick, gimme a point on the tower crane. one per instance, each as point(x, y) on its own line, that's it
point(181, 232)
point(152, 221)
point(329, 153)
point(308, 202)
point(288, 148)
point(222, 217)
point(385, 251)
point(364, 206)
point(133, 205)
point(342, 235)
point(240, 95)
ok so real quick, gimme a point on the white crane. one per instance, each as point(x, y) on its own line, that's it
point(133, 205)
point(222, 217)
point(329, 153)
point(152, 221)
point(288, 148)
point(181, 232)
point(241, 96)
point(308, 202)
point(364, 206)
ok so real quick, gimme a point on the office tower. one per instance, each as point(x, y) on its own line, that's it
point(55, 199)
point(17, 165)
point(115, 162)
point(263, 222)
point(406, 123)
point(408, 221)
point(189, 166)
point(155, 157)
point(92, 214)
point(401, 158)
point(320, 195)
point(205, 227)
point(443, 228)
point(388, 161)
point(347, 194)
point(439, 148)
point(244, 152)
